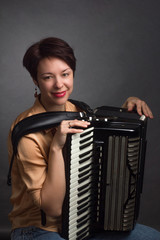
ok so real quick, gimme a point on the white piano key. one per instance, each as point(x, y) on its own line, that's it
point(73, 230)
point(84, 214)
point(75, 194)
point(77, 153)
point(78, 168)
point(77, 165)
point(73, 216)
point(74, 189)
point(76, 198)
point(75, 185)
point(72, 194)
point(75, 205)
point(76, 135)
point(77, 160)
point(80, 141)
point(77, 149)
point(79, 145)
point(80, 180)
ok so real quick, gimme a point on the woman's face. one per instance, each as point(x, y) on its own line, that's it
point(55, 81)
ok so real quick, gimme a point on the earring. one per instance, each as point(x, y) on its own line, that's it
point(35, 93)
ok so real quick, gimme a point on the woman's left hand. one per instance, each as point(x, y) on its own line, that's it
point(141, 106)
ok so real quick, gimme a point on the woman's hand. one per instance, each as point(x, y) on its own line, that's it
point(72, 126)
point(141, 106)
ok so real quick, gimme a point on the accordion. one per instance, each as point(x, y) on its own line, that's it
point(104, 174)
point(104, 168)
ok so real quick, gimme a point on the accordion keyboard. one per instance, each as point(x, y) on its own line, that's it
point(79, 189)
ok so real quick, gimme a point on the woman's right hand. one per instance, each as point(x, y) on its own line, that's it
point(72, 126)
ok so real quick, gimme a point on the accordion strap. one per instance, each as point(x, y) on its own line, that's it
point(83, 106)
point(41, 121)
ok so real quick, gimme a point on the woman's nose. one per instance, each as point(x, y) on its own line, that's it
point(58, 82)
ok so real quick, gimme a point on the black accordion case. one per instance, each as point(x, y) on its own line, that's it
point(104, 168)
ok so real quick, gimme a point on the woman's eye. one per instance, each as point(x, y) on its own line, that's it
point(65, 74)
point(47, 77)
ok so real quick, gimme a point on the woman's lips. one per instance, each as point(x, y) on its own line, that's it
point(59, 94)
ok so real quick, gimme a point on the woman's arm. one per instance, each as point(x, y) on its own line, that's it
point(141, 106)
point(54, 187)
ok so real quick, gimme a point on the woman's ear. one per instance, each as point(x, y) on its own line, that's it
point(35, 82)
point(36, 85)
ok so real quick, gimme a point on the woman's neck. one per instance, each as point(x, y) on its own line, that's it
point(52, 108)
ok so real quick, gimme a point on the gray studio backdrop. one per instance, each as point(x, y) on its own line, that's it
point(117, 46)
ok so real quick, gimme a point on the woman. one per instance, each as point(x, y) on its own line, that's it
point(38, 174)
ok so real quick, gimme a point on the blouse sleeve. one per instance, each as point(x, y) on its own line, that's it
point(32, 167)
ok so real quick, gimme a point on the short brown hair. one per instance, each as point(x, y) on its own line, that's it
point(48, 47)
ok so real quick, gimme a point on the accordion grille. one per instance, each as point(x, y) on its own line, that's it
point(121, 181)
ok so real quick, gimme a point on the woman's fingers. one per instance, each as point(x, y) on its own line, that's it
point(67, 127)
point(74, 126)
point(141, 106)
point(146, 110)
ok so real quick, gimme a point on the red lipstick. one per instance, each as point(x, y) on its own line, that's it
point(59, 94)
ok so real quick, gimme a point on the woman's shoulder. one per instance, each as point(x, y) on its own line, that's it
point(21, 116)
point(35, 109)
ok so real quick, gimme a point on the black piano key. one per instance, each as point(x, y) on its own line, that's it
point(81, 175)
point(78, 190)
point(87, 172)
point(85, 140)
point(85, 145)
point(78, 168)
point(79, 212)
point(83, 205)
point(83, 192)
point(85, 153)
point(83, 235)
point(84, 167)
point(84, 178)
point(83, 200)
point(85, 159)
point(88, 216)
point(84, 187)
point(84, 222)
point(83, 230)
point(86, 133)
point(82, 218)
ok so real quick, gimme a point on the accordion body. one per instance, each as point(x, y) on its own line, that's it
point(104, 174)
point(104, 168)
